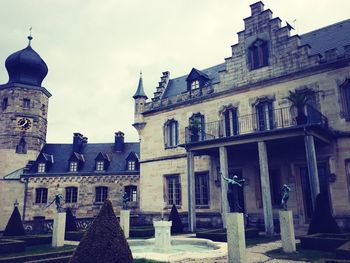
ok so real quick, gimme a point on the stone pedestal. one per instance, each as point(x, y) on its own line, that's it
point(59, 227)
point(162, 237)
point(236, 238)
point(125, 222)
point(287, 231)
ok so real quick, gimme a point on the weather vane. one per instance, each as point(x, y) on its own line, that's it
point(30, 35)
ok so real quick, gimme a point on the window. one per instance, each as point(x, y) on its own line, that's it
point(131, 165)
point(26, 103)
point(41, 195)
point(194, 85)
point(43, 109)
point(258, 54)
point(231, 122)
point(171, 133)
point(71, 194)
point(4, 104)
point(345, 98)
point(197, 128)
point(173, 190)
point(73, 166)
point(131, 192)
point(100, 165)
point(21, 146)
point(101, 194)
point(41, 167)
point(347, 170)
point(264, 114)
point(202, 189)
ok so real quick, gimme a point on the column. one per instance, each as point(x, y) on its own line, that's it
point(312, 167)
point(125, 222)
point(59, 226)
point(224, 170)
point(191, 192)
point(236, 247)
point(265, 188)
point(287, 231)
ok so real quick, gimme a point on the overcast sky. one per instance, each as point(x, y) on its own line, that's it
point(95, 49)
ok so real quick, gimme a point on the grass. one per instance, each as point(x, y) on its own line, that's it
point(39, 249)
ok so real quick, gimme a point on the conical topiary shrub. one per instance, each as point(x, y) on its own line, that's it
point(71, 224)
point(174, 216)
point(322, 220)
point(14, 226)
point(104, 241)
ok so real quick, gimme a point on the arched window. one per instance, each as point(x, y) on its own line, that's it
point(230, 121)
point(171, 133)
point(258, 54)
point(197, 127)
point(21, 146)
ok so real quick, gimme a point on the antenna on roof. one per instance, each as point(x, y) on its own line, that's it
point(295, 26)
point(30, 35)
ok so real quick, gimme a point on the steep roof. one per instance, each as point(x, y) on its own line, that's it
point(63, 152)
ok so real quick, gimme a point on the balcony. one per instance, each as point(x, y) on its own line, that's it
point(277, 119)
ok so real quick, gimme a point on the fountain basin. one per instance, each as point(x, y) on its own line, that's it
point(182, 249)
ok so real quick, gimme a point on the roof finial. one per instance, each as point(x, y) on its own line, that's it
point(15, 204)
point(141, 73)
point(30, 35)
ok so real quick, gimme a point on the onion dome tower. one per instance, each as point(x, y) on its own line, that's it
point(23, 111)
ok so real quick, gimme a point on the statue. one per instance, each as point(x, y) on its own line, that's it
point(125, 199)
point(285, 196)
point(57, 200)
point(232, 194)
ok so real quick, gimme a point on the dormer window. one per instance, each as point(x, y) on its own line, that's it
point(73, 166)
point(131, 165)
point(258, 54)
point(194, 85)
point(100, 166)
point(41, 167)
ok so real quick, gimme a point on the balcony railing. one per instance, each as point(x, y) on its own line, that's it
point(253, 123)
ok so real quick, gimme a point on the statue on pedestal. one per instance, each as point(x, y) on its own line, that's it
point(285, 196)
point(125, 199)
point(232, 195)
point(57, 200)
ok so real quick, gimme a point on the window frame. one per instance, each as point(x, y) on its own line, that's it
point(100, 166)
point(345, 99)
point(202, 196)
point(41, 167)
point(171, 133)
point(26, 103)
point(265, 110)
point(131, 191)
point(172, 191)
point(101, 194)
point(258, 54)
point(131, 165)
point(195, 85)
point(41, 194)
point(73, 166)
point(347, 174)
point(71, 194)
point(5, 103)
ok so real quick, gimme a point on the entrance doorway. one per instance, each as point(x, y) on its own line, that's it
point(306, 190)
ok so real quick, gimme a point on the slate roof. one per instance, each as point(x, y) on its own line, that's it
point(326, 38)
point(62, 152)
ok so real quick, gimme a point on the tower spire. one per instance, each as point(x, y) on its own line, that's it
point(140, 93)
point(30, 35)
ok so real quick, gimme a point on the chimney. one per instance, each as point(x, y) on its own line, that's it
point(78, 141)
point(257, 8)
point(119, 141)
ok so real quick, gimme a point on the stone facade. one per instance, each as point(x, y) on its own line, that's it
point(293, 65)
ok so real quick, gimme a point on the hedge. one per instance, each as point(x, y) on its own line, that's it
point(11, 246)
point(325, 242)
point(74, 235)
point(221, 236)
point(145, 231)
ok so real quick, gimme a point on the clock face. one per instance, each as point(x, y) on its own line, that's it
point(24, 124)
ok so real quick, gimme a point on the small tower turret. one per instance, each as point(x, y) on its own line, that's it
point(140, 98)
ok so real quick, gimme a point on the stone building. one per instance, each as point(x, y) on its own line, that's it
point(32, 172)
point(235, 118)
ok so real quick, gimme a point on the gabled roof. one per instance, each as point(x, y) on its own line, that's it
point(103, 156)
point(132, 155)
point(43, 156)
point(195, 73)
point(62, 153)
point(77, 157)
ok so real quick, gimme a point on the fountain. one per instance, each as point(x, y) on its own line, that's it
point(165, 248)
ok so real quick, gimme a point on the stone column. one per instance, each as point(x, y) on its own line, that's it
point(59, 227)
point(287, 231)
point(224, 170)
point(236, 238)
point(191, 192)
point(265, 188)
point(125, 222)
point(312, 167)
